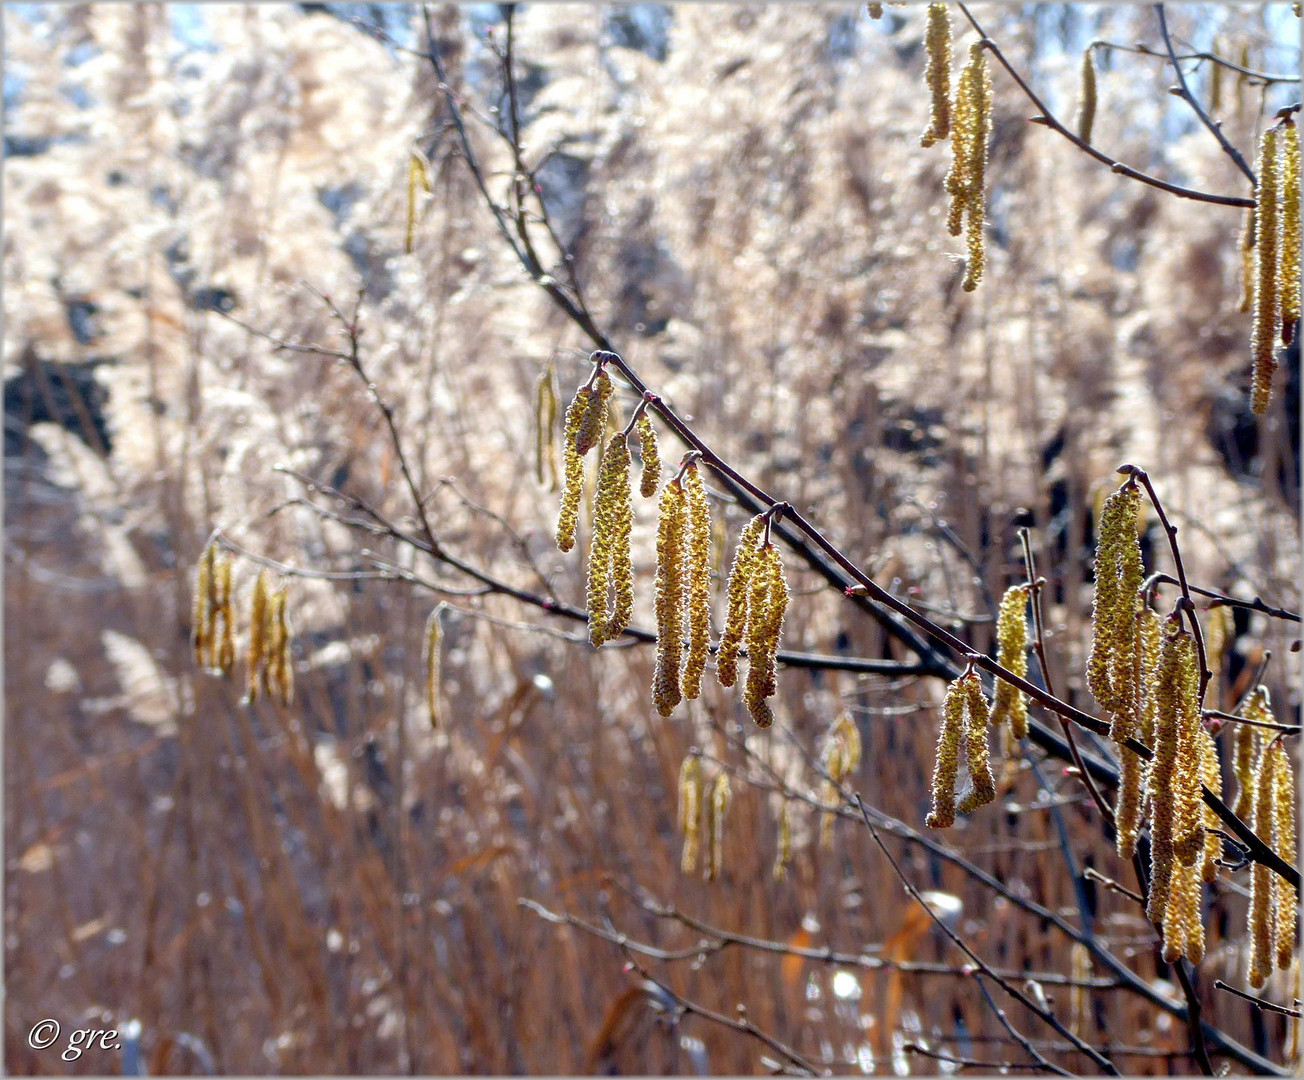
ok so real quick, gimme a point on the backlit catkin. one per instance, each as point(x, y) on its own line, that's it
point(875, 10)
point(1283, 842)
point(1111, 665)
point(1079, 999)
point(1010, 704)
point(1086, 117)
point(434, 637)
point(1246, 743)
point(982, 786)
point(593, 424)
point(1188, 816)
point(699, 582)
point(1219, 630)
point(1288, 282)
point(257, 655)
point(735, 621)
point(1266, 306)
point(783, 843)
point(690, 810)
point(223, 632)
point(1171, 682)
point(205, 601)
point(947, 764)
point(767, 604)
point(418, 181)
point(610, 564)
point(671, 529)
point(1132, 772)
point(1211, 776)
point(842, 752)
point(651, 474)
point(718, 804)
point(280, 666)
point(1246, 299)
point(573, 488)
point(980, 114)
point(1263, 880)
point(937, 43)
point(545, 430)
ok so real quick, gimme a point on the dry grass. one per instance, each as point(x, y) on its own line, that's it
point(334, 888)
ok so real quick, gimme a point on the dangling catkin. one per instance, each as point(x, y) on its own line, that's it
point(690, 810)
point(573, 488)
point(257, 655)
point(1266, 307)
point(205, 598)
point(280, 667)
point(434, 638)
point(1173, 922)
point(1288, 283)
point(418, 181)
point(593, 424)
point(1283, 842)
point(1246, 299)
point(937, 42)
point(1086, 117)
point(1079, 998)
point(1132, 769)
point(1111, 665)
point(545, 430)
point(1219, 631)
point(948, 757)
point(1188, 817)
point(1211, 776)
point(980, 90)
point(783, 845)
point(982, 788)
point(671, 527)
point(719, 803)
point(1245, 749)
point(699, 582)
point(225, 637)
point(610, 563)
point(1010, 703)
point(735, 622)
point(651, 475)
point(1169, 690)
point(1263, 880)
point(767, 605)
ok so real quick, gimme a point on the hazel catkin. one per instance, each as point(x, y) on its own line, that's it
point(768, 602)
point(205, 601)
point(257, 655)
point(1266, 301)
point(980, 114)
point(593, 423)
point(1163, 783)
point(418, 182)
point(1010, 703)
point(545, 429)
point(717, 806)
point(783, 843)
point(947, 765)
point(610, 563)
point(280, 666)
point(1086, 117)
point(1111, 664)
point(1283, 842)
point(690, 810)
point(651, 474)
point(1263, 880)
point(937, 43)
point(671, 529)
point(1211, 777)
point(573, 487)
point(698, 542)
point(736, 595)
point(223, 631)
point(982, 786)
point(1288, 278)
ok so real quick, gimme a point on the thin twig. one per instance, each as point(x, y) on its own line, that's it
point(1257, 1002)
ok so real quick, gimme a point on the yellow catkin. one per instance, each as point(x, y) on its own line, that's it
point(545, 430)
point(1169, 689)
point(1086, 117)
point(671, 529)
point(280, 666)
point(1111, 665)
point(1011, 704)
point(434, 637)
point(651, 474)
point(847, 733)
point(783, 843)
point(1263, 880)
point(947, 764)
point(200, 634)
point(1151, 634)
point(1192, 916)
point(593, 424)
point(735, 622)
point(767, 605)
point(1079, 995)
point(573, 488)
point(418, 181)
point(610, 563)
point(1266, 308)
point(1188, 817)
point(976, 202)
point(257, 655)
point(1291, 1056)
point(982, 789)
point(1211, 776)
point(1219, 629)
point(828, 796)
point(957, 182)
point(1283, 842)
point(1246, 299)
point(224, 635)
point(718, 804)
point(1127, 807)
point(1288, 283)
point(699, 582)
point(1246, 743)
point(937, 43)
point(690, 810)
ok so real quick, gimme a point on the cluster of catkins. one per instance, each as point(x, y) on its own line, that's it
point(967, 120)
point(1270, 253)
point(701, 804)
point(757, 591)
point(271, 670)
point(1145, 671)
